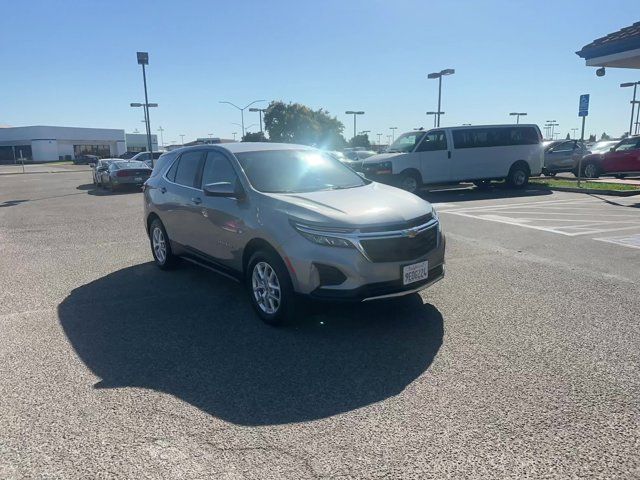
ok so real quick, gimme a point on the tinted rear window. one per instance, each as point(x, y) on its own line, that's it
point(188, 167)
point(494, 137)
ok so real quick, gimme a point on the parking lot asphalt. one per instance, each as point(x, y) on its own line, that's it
point(522, 363)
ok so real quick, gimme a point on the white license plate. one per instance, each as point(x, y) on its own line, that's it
point(138, 179)
point(415, 272)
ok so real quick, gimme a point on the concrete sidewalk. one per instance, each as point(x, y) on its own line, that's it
point(42, 168)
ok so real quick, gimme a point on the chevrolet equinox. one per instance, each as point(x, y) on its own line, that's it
point(290, 220)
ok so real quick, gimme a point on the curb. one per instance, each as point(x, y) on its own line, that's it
point(614, 193)
point(35, 173)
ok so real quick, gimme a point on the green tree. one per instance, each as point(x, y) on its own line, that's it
point(592, 138)
point(297, 123)
point(360, 141)
point(568, 137)
point(604, 136)
point(254, 137)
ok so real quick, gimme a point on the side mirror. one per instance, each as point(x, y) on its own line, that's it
point(223, 189)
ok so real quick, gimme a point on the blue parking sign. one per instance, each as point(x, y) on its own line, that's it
point(583, 109)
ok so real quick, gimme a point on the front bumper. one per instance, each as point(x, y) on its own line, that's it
point(379, 291)
point(364, 279)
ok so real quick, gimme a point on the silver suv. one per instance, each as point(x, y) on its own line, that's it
point(289, 220)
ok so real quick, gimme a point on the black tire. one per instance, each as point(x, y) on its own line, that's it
point(288, 302)
point(591, 170)
point(518, 175)
point(410, 182)
point(482, 184)
point(169, 260)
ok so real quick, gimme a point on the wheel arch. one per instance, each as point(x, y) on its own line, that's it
point(150, 218)
point(254, 245)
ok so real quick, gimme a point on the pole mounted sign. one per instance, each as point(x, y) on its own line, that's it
point(583, 111)
point(143, 58)
point(583, 108)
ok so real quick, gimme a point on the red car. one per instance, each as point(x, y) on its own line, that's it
point(620, 161)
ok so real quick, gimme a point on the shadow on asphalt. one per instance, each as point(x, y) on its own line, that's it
point(92, 189)
point(12, 203)
point(193, 335)
point(466, 194)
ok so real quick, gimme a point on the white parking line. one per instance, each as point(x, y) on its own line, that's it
point(573, 217)
point(632, 241)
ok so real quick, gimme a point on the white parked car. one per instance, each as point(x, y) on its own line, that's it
point(451, 155)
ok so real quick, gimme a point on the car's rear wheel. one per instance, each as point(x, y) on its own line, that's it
point(591, 170)
point(161, 246)
point(410, 181)
point(270, 288)
point(518, 175)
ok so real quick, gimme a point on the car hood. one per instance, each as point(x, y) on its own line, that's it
point(369, 205)
point(381, 157)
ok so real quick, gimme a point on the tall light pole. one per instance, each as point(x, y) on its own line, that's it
point(161, 130)
point(637, 130)
point(261, 110)
point(439, 75)
point(181, 139)
point(393, 133)
point(379, 141)
point(234, 135)
point(143, 59)
point(574, 130)
point(435, 117)
point(552, 124)
point(242, 109)
point(633, 102)
point(210, 135)
point(517, 115)
point(355, 114)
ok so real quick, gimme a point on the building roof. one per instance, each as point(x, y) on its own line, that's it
point(625, 40)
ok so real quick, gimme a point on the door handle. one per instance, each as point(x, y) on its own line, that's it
point(196, 200)
point(163, 190)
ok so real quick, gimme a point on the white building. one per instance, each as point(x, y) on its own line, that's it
point(137, 142)
point(48, 144)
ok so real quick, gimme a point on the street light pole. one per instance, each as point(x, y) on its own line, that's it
point(181, 139)
point(439, 75)
point(234, 135)
point(517, 115)
point(143, 59)
point(435, 116)
point(354, 113)
point(379, 141)
point(574, 130)
point(261, 111)
point(242, 109)
point(161, 130)
point(633, 102)
point(393, 133)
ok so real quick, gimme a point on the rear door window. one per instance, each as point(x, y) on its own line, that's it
point(188, 169)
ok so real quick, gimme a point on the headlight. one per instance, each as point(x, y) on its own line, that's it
point(320, 237)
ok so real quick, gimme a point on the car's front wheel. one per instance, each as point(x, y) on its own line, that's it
point(410, 181)
point(270, 288)
point(160, 246)
point(518, 175)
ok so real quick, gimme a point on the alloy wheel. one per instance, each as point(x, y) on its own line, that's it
point(159, 245)
point(266, 288)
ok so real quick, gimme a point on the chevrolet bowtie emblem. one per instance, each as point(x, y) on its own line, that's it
point(411, 233)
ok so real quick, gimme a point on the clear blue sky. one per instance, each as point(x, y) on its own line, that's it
point(73, 63)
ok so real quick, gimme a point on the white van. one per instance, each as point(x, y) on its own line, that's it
point(448, 155)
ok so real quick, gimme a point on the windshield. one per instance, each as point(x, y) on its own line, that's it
point(406, 142)
point(602, 147)
point(296, 171)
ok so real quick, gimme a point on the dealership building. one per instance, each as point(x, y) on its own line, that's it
point(49, 144)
